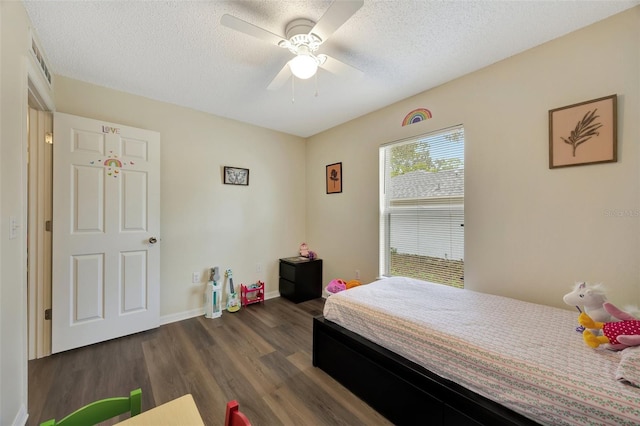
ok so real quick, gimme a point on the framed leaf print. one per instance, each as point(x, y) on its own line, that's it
point(584, 133)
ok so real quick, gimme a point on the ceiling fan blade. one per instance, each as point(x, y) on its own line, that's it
point(281, 78)
point(338, 13)
point(250, 29)
point(335, 66)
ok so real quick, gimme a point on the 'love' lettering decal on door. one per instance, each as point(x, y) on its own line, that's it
point(109, 129)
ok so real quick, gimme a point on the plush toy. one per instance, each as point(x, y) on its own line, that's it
point(591, 298)
point(352, 283)
point(618, 334)
point(336, 286)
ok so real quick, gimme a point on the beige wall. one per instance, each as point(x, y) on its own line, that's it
point(530, 231)
point(204, 222)
point(14, 29)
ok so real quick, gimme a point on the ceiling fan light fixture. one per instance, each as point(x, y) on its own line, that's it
point(303, 66)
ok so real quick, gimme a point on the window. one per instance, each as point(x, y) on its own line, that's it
point(422, 207)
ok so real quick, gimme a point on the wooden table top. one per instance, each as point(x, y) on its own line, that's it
point(180, 411)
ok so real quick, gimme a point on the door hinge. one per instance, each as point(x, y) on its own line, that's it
point(47, 314)
point(48, 138)
point(47, 225)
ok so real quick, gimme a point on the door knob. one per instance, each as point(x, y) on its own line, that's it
point(153, 240)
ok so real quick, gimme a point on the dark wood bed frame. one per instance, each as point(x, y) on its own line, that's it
point(401, 390)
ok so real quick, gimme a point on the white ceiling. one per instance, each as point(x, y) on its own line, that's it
point(177, 51)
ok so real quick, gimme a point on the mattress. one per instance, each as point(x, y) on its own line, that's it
point(525, 356)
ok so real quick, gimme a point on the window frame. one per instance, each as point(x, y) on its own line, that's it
point(453, 202)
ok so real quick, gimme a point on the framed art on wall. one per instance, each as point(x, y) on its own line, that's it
point(334, 178)
point(584, 133)
point(236, 176)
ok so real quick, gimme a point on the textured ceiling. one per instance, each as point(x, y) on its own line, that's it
point(177, 51)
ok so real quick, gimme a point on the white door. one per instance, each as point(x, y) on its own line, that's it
point(106, 229)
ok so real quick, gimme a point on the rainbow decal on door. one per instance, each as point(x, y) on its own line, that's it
point(112, 162)
point(416, 116)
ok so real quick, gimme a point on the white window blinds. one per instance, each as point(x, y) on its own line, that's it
point(422, 207)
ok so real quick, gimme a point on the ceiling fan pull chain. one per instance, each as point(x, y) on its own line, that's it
point(293, 90)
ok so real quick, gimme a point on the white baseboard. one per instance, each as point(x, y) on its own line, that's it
point(21, 417)
point(180, 316)
point(271, 295)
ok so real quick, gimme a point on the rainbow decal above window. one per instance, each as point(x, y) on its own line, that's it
point(112, 162)
point(416, 116)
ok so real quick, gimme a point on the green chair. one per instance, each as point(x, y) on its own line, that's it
point(102, 410)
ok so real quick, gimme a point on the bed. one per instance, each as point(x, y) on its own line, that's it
point(419, 352)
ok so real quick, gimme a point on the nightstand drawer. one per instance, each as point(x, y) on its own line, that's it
point(287, 288)
point(288, 271)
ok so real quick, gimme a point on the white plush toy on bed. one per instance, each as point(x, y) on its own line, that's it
point(591, 297)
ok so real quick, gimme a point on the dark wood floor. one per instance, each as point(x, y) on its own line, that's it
point(260, 356)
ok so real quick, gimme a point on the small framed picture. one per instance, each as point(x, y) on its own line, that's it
point(584, 133)
point(334, 178)
point(236, 176)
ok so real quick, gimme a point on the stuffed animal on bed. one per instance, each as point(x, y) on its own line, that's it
point(618, 334)
point(591, 297)
point(352, 283)
point(336, 286)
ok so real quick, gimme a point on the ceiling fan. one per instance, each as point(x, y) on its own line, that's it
point(303, 38)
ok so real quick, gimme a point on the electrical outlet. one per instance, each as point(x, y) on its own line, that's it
point(259, 268)
point(195, 277)
point(357, 274)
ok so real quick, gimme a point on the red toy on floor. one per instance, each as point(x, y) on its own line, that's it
point(253, 293)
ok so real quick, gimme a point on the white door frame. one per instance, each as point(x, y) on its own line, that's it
point(39, 235)
point(39, 258)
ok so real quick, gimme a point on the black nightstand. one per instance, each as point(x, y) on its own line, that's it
point(300, 279)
